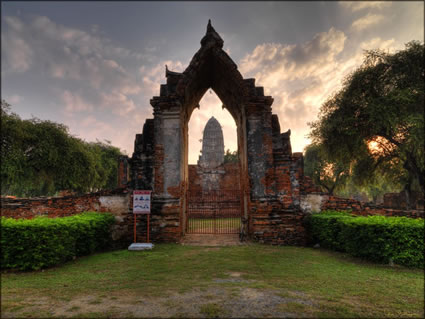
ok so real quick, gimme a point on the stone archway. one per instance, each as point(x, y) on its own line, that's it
point(160, 159)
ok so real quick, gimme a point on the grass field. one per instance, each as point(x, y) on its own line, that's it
point(214, 226)
point(239, 281)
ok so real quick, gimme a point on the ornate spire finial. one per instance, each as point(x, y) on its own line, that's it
point(211, 34)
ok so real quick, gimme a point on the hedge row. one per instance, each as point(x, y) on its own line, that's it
point(377, 238)
point(30, 244)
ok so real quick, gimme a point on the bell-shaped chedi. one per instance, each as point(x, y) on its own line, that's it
point(212, 145)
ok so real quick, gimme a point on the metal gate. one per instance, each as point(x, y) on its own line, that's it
point(214, 212)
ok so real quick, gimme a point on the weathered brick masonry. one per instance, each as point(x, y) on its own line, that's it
point(227, 176)
point(116, 202)
point(313, 200)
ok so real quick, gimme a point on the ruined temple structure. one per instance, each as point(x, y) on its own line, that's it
point(212, 145)
point(211, 173)
point(269, 176)
point(263, 197)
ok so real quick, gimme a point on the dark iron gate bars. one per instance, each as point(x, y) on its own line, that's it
point(214, 212)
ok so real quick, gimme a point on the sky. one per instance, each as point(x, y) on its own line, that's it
point(94, 66)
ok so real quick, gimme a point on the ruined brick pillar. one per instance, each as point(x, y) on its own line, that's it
point(122, 171)
point(168, 170)
point(260, 149)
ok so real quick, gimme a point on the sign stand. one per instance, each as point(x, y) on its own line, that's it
point(141, 205)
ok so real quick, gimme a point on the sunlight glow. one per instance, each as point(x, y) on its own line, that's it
point(379, 145)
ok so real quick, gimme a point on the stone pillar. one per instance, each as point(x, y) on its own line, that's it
point(256, 163)
point(168, 172)
point(173, 153)
point(260, 153)
point(296, 173)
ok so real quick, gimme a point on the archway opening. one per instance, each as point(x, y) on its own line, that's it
point(214, 198)
point(210, 106)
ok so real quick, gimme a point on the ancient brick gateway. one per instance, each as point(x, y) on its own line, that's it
point(275, 193)
point(269, 173)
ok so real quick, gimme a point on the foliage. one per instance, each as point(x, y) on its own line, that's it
point(325, 172)
point(377, 238)
point(42, 158)
point(374, 187)
point(29, 244)
point(376, 121)
point(230, 157)
point(344, 178)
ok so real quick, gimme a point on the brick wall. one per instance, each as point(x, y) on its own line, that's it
point(278, 219)
point(272, 224)
point(228, 177)
point(399, 201)
point(366, 209)
point(116, 202)
point(315, 202)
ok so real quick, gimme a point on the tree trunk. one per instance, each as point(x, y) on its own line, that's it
point(407, 192)
point(414, 170)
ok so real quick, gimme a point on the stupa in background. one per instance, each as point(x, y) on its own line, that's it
point(212, 145)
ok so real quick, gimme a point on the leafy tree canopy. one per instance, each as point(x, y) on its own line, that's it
point(325, 172)
point(42, 158)
point(376, 120)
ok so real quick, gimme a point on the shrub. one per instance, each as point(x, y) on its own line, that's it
point(377, 238)
point(30, 244)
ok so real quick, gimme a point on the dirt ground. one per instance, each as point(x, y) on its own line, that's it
point(229, 302)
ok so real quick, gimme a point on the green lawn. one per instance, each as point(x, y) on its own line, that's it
point(188, 281)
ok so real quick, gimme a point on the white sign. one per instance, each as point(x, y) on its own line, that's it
point(141, 202)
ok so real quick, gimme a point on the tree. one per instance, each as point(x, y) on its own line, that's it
point(325, 172)
point(375, 122)
point(106, 159)
point(41, 158)
point(230, 157)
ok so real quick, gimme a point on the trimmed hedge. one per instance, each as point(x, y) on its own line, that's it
point(376, 238)
point(30, 244)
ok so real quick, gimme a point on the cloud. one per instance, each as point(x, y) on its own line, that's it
point(153, 77)
point(366, 21)
point(378, 43)
point(85, 71)
point(271, 63)
point(75, 103)
point(300, 77)
point(65, 53)
point(14, 99)
point(16, 52)
point(118, 103)
point(360, 5)
point(91, 129)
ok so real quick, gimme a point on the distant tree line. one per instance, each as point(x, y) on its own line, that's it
point(230, 157)
point(370, 134)
point(42, 158)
